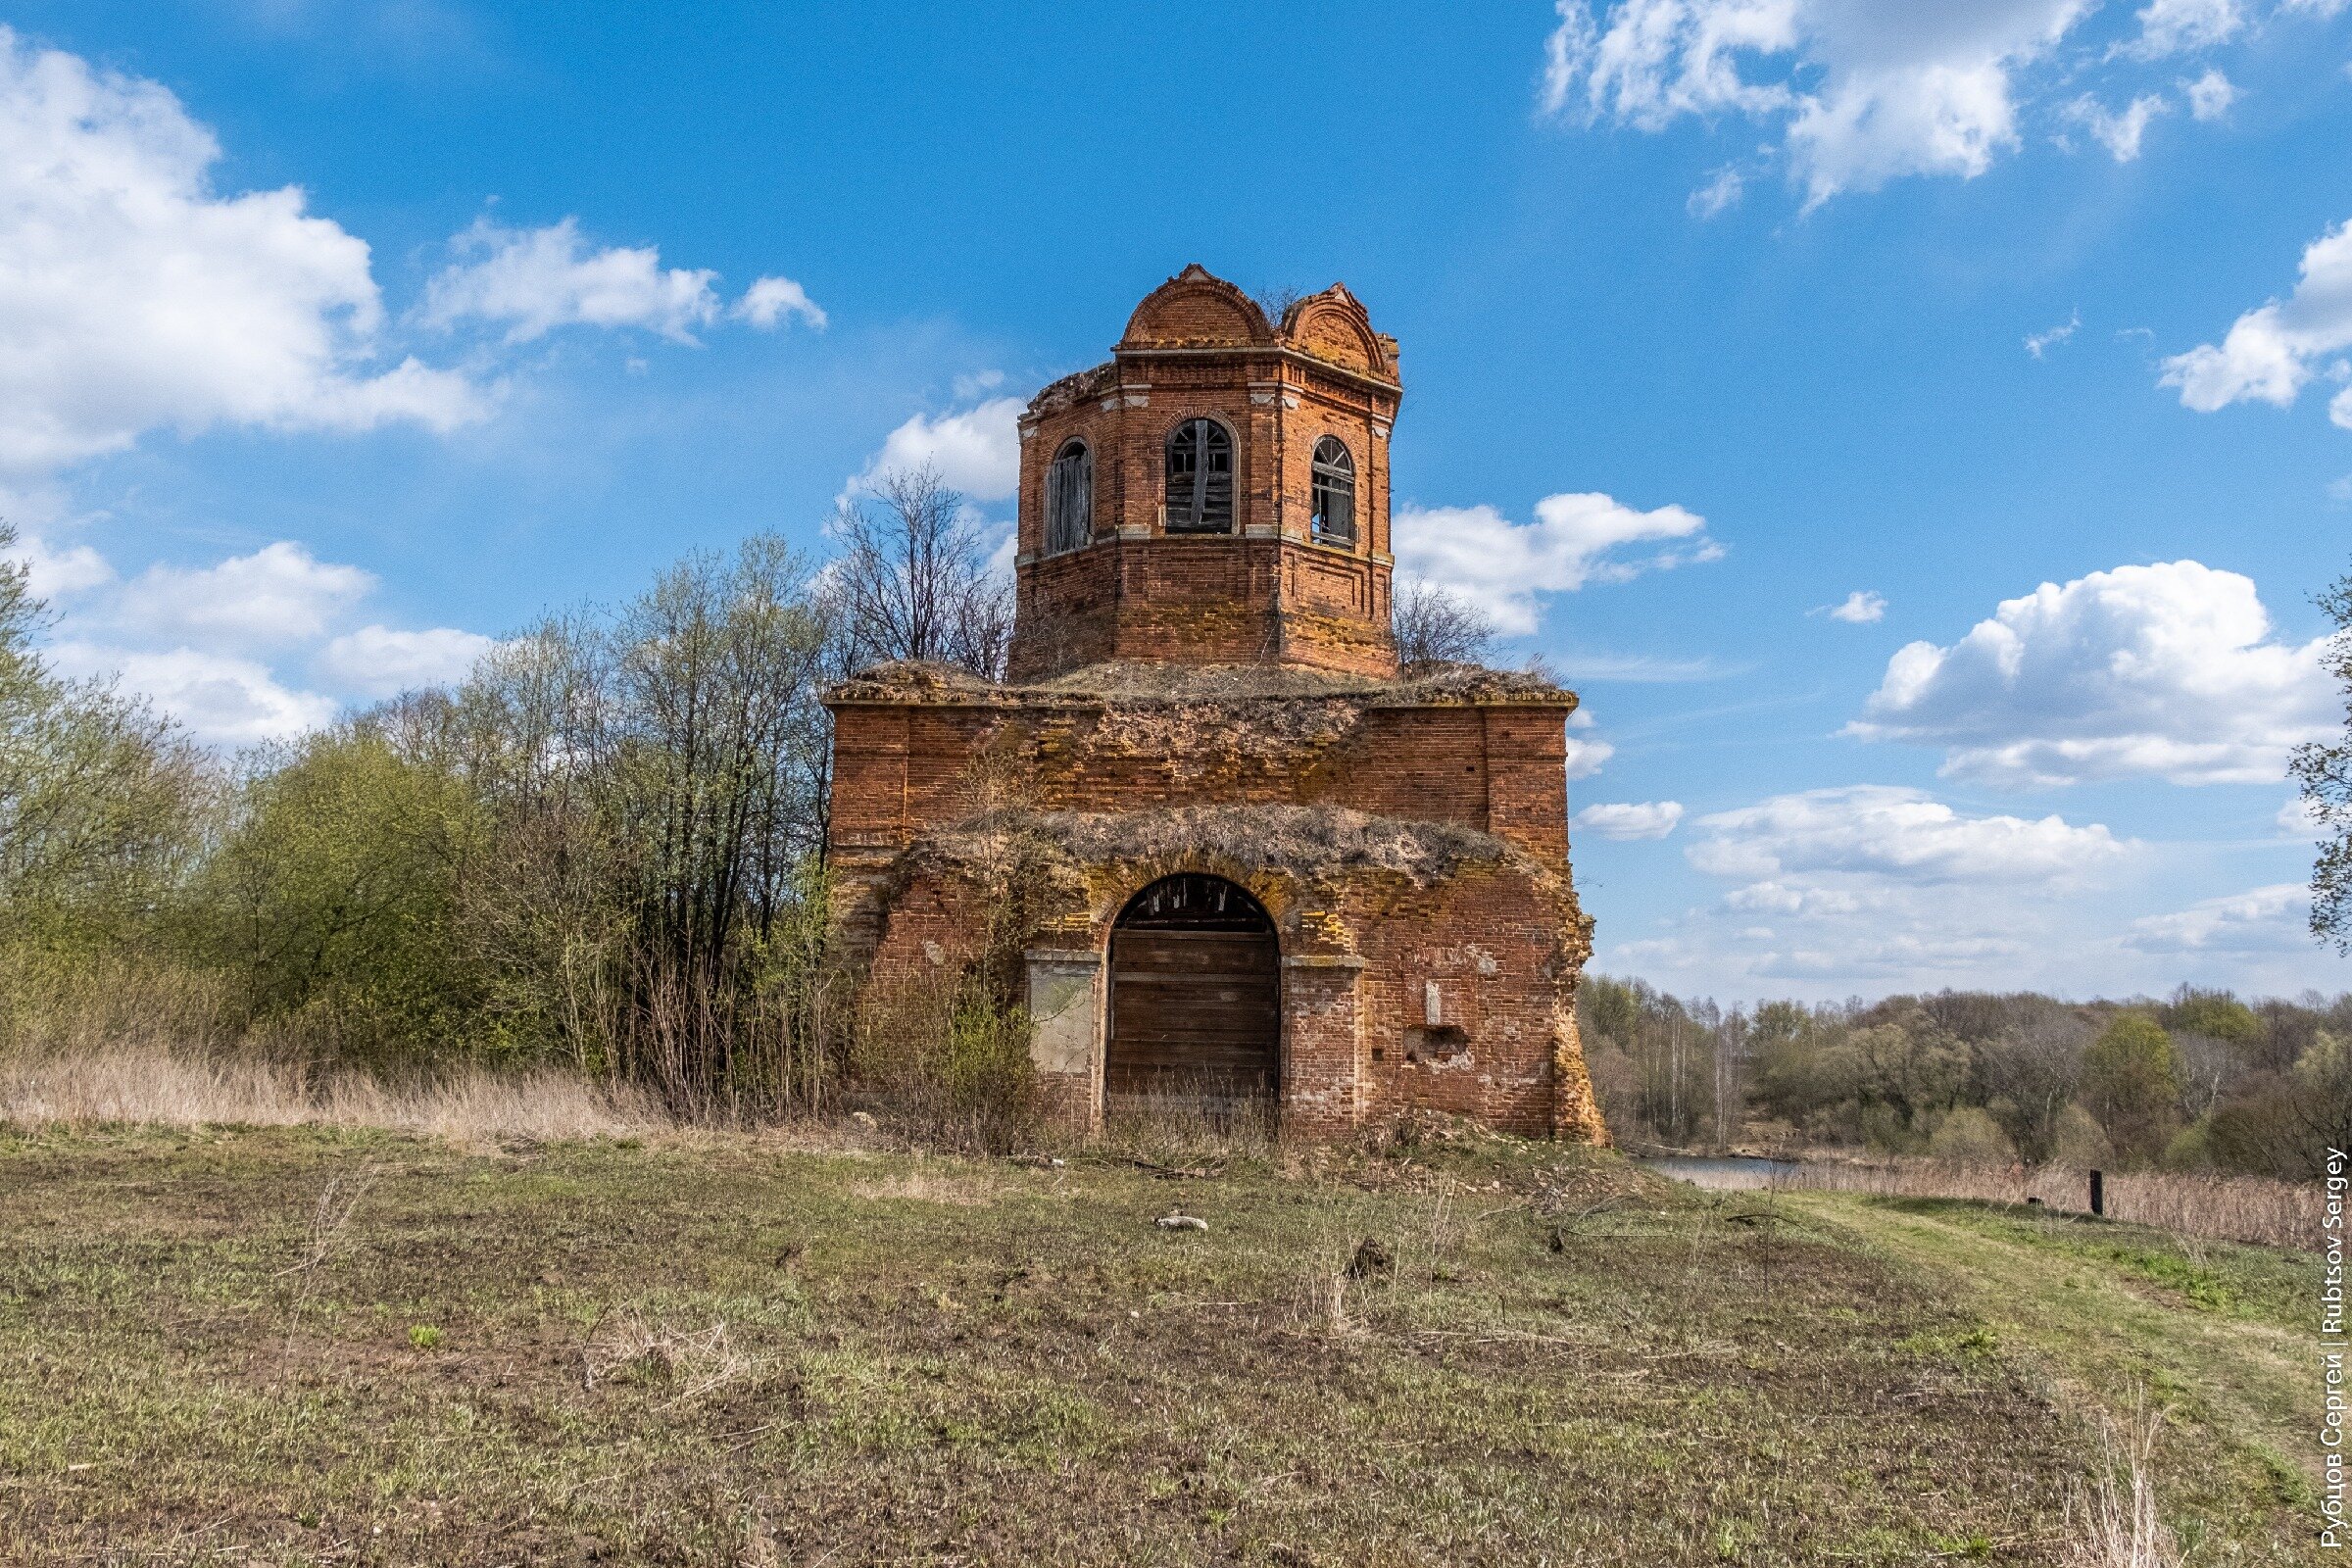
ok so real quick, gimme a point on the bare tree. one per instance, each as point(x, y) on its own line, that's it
point(1436, 627)
point(2029, 1073)
point(913, 580)
point(2325, 774)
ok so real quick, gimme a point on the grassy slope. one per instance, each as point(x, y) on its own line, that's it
point(730, 1352)
point(2218, 1337)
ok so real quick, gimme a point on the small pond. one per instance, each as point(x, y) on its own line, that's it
point(1722, 1172)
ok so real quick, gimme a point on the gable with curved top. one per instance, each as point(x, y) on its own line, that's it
point(1195, 308)
point(1333, 327)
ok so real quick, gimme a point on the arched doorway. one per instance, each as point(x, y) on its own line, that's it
point(1195, 1000)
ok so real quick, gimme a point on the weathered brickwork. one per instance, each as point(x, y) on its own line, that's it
point(1229, 706)
point(1267, 590)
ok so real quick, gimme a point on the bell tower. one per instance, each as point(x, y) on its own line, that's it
point(1217, 493)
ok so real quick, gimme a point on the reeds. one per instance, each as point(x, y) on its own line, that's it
point(142, 1082)
point(2230, 1208)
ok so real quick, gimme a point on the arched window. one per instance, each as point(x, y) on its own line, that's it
point(1201, 479)
point(1071, 498)
point(1335, 492)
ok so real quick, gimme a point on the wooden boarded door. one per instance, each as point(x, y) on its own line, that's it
point(1196, 999)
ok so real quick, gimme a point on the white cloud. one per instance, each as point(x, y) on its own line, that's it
point(2183, 26)
point(2340, 490)
point(381, 661)
point(2210, 95)
point(223, 700)
point(2272, 352)
point(2298, 818)
point(2168, 670)
point(1719, 194)
point(1586, 757)
point(541, 279)
point(2040, 343)
point(1861, 608)
point(1865, 91)
point(1879, 888)
point(1862, 93)
point(2118, 132)
point(2267, 919)
point(134, 297)
point(770, 301)
point(1883, 831)
point(1632, 819)
point(977, 450)
point(56, 574)
point(1503, 567)
point(280, 593)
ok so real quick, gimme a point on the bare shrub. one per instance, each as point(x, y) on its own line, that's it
point(1179, 1129)
point(1433, 626)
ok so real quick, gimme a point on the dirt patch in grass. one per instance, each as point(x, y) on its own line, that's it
point(726, 1353)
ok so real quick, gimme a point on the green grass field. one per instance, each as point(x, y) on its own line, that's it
point(295, 1346)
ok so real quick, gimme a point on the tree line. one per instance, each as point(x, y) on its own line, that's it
point(2198, 1081)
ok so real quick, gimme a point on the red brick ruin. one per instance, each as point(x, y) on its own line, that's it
point(1233, 855)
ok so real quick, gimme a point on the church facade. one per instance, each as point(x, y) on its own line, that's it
point(1239, 858)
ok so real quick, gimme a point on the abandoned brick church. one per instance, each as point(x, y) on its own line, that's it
point(1238, 855)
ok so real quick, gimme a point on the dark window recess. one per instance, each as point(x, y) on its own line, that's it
point(1201, 479)
point(1435, 1042)
point(1070, 500)
point(1335, 492)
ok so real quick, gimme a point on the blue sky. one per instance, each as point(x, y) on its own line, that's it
point(339, 335)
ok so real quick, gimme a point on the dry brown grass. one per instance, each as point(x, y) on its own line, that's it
point(2230, 1208)
point(2115, 1514)
point(141, 1083)
point(956, 1189)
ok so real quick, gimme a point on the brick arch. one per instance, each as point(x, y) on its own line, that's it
point(1334, 327)
point(1197, 308)
point(1194, 1013)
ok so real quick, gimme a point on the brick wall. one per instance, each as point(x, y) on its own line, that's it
point(900, 770)
point(1494, 952)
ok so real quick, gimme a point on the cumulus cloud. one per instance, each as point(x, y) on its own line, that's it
point(280, 593)
point(2180, 27)
point(223, 700)
point(2168, 670)
point(2210, 95)
point(134, 296)
point(2272, 352)
point(185, 638)
point(2117, 131)
point(60, 572)
point(2265, 919)
point(770, 302)
point(538, 279)
point(1587, 757)
point(1631, 820)
point(1864, 92)
point(976, 450)
point(1861, 608)
point(1883, 888)
point(1883, 831)
point(381, 661)
point(1505, 567)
